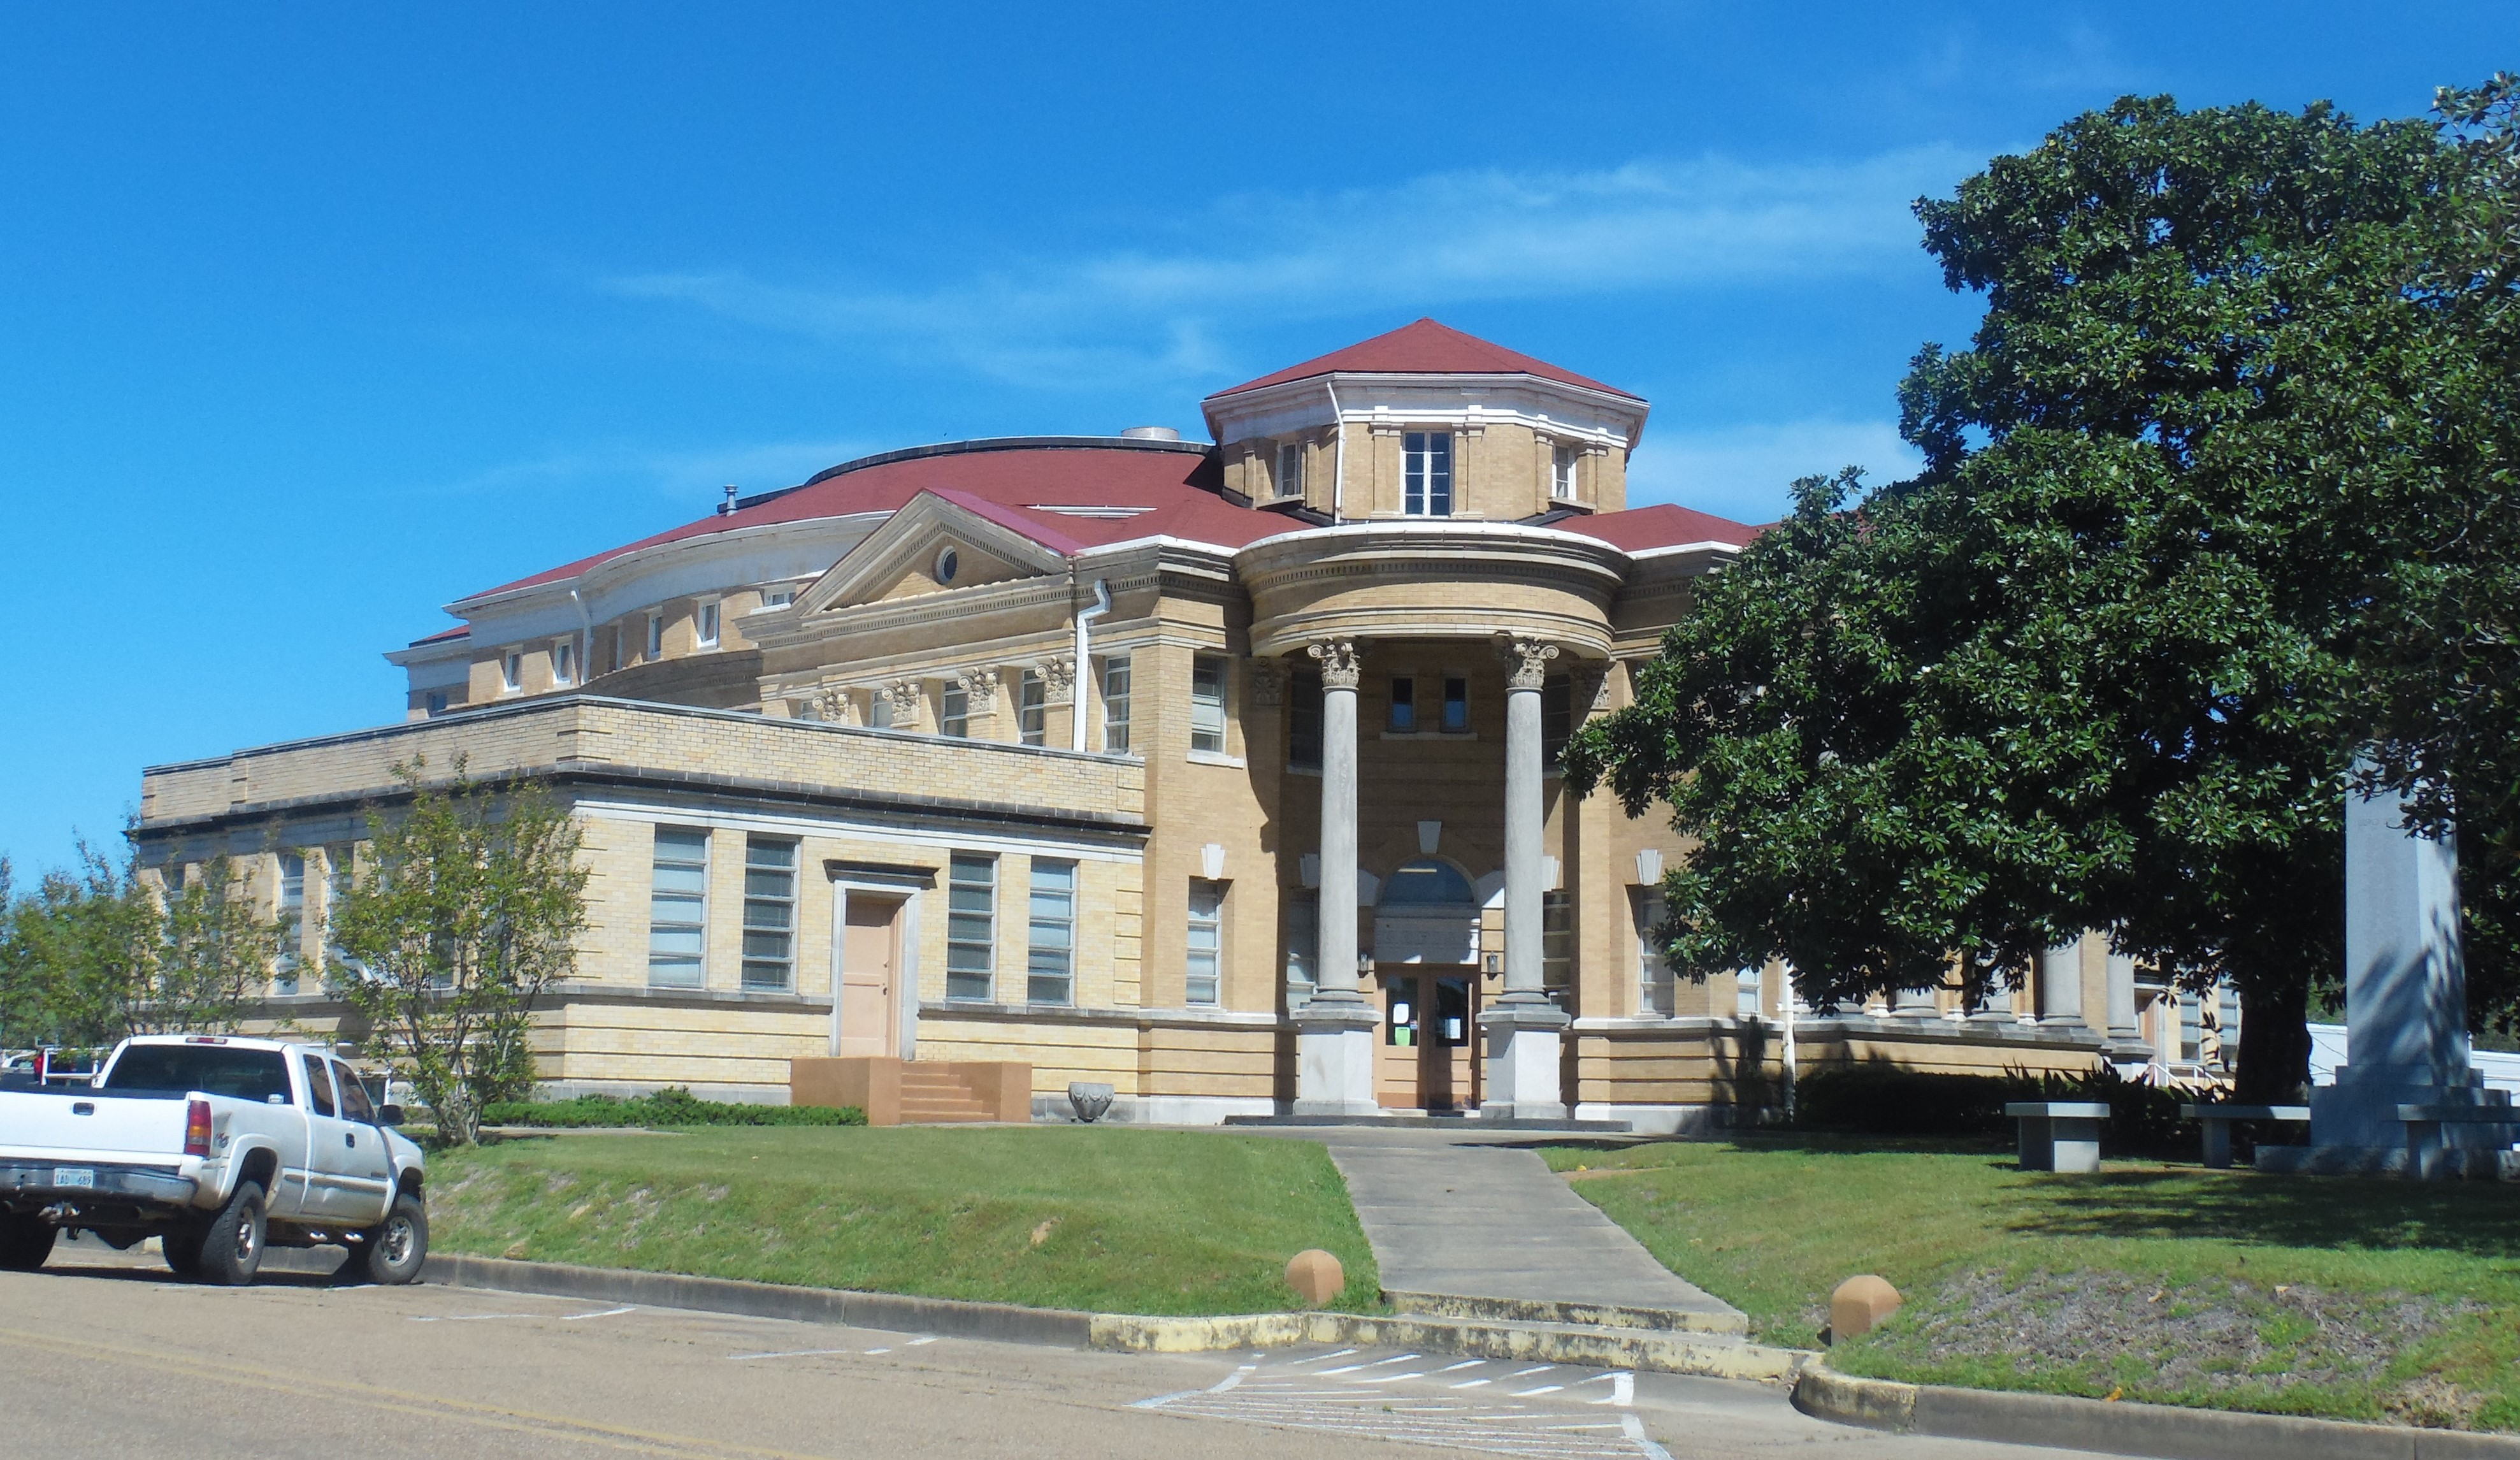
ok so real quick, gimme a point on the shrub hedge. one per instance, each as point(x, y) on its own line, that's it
point(1885, 1100)
point(670, 1106)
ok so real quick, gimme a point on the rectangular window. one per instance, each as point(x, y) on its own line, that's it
point(1557, 942)
point(1427, 472)
point(655, 636)
point(1653, 979)
point(563, 663)
point(769, 914)
point(1561, 472)
point(1456, 705)
point(610, 654)
point(1115, 704)
point(1749, 989)
point(1556, 717)
point(1290, 468)
point(954, 711)
point(1207, 942)
point(438, 701)
point(1207, 704)
point(292, 916)
point(1404, 705)
point(337, 877)
point(677, 904)
point(1304, 721)
point(2192, 1028)
point(1303, 947)
point(511, 671)
point(1049, 964)
point(971, 927)
point(704, 620)
point(780, 597)
point(1032, 707)
point(880, 709)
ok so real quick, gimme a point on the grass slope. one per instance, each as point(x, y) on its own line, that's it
point(1112, 1220)
point(2350, 1299)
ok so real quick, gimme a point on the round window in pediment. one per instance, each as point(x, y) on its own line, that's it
point(948, 564)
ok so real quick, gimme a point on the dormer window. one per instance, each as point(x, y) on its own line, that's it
point(705, 618)
point(1561, 472)
point(1427, 472)
point(655, 636)
point(1290, 468)
point(511, 671)
point(563, 663)
point(779, 597)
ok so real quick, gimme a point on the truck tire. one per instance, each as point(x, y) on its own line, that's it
point(397, 1246)
point(24, 1242)
point(182, 1248)
point(232, 1248)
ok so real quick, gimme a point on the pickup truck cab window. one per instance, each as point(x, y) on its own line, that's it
point(213, 1070)
point(319, 1085)
point(354, 1096)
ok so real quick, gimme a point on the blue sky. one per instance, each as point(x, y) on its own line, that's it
point(312, 321)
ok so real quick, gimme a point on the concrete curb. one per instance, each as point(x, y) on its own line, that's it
point(2162, 1432)
point(1724, 1320)
point(1660, 1350)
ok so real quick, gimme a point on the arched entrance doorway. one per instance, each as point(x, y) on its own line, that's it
point(1426, 958)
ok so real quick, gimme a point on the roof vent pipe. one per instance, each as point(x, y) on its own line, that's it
point(1151, 433)
point(727, 507)
point(1081, 692)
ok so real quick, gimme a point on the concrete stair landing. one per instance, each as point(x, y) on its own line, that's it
point(916, 1092)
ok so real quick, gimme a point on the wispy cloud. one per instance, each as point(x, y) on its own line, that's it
point(1743, 472)
point(1424, 243)
point(698, 473)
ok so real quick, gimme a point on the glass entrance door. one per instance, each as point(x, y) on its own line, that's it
point(1429, 1038)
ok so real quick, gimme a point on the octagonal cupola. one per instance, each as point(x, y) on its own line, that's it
point(1426, 422)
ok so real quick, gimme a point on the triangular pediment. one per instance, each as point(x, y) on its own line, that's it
point(931, 545)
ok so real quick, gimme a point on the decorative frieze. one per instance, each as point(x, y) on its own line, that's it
point(908, 697)
point(1267, 683)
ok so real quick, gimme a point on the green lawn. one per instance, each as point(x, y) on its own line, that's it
point(2361, 1300)
point(1108, 1219)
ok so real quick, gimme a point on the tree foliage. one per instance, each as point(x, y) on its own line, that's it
point(2108, 660)
point(466, 911)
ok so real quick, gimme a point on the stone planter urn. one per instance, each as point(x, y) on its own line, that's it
point(1088, 1100)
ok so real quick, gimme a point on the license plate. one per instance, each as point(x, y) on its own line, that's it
point(75, 1176)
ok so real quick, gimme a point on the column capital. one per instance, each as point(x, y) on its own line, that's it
point(1342, 666)
point(1527, 662)
point(981, 686)
point(1058, 680)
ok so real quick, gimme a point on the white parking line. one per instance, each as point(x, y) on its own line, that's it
point(1535, 1369)
point(1468, 1363)
point(786, 1354)
point(1472, 1383)
point(606, 1313)
point(915, 1343)
point(1545, 1389)
point(1389, 1377)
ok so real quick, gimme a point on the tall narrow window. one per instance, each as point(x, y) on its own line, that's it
point(971, 927)
point(293, 918)
point(1561, 472)
point(1653, 976)
point(1207, 704)
point(655, 636)
point(1207, 942)
point(438, 701)
point(511, 671)
point(2192, 1028)
point(338, 880)
point(1304, 721)
point(564, 662)
point(1115, 704)
point(1750, 992)
point(769, 913)
point(610, 656)
point(880, 709)
point(1556, 717)
point(1303, 945)
point(1456, 705)
point(1290, 468)
point(1404, 705)
point(705, 622)
point(1427, 472)
point(1050, 965)
point(954, 711)
point(677, 905)
point(1557, 942)
point(1032, 707)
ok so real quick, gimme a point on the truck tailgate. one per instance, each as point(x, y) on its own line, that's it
point(91, 1124)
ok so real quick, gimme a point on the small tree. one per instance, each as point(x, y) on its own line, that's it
point(467, 910)
point(97, 954)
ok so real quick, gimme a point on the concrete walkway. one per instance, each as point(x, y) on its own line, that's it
point(1466, 1213)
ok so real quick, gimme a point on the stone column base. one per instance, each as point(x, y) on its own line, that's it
point(1335, 1058)
point(1525, 1050)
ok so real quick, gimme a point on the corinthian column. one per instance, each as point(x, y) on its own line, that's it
point(1334, 1033)
point(1522, 1026)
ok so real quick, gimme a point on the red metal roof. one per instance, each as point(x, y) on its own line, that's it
point(1425, 348)
point(1664, 524)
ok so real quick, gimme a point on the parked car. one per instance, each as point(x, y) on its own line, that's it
point(219, 1146)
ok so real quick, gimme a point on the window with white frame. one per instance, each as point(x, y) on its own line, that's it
point(1115, 704)
point(1562, 462)
point(292, 919)
point(1290, 468)
point(564, 662)
point(779, 597)
point(1303, 947)
point(954, 711)
point(1032, 709)
point(1427, 472)
point(1050, 960)
point(971, 925)
point(769, 914)
point(1207, 704)
point(511, 671)
point(676, 908)
point(1653, 976)
point(1403, 718)
point(1556, 943)
point(1749, 993)
point(705, 622)
point(655, 636)
point(1456, 705)
point(438, 701)
point(1207, 945)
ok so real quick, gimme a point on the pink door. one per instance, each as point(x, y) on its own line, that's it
point(870, 959)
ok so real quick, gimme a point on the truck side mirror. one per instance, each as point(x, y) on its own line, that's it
point(391, 1116)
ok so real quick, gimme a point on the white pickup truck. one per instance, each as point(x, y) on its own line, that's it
point(217, 1147)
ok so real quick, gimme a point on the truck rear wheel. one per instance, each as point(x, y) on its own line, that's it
point(397, 1246)
point(24, 1242)
point(232, 1248)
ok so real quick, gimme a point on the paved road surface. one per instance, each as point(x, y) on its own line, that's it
point(105, 1355)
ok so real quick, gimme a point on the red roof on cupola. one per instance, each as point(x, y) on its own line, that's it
point(1426, 348)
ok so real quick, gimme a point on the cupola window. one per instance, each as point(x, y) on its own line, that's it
point(1427, 472)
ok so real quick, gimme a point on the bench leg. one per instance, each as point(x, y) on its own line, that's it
point(2038, 1144)
point(2076, 1147)
point(2218, 1145)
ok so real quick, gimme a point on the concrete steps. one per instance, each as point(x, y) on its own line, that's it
point(940, 1095)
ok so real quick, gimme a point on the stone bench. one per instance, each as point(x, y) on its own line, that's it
point(2217, 1121)
point(2425, 1149)
point(2060, 1135)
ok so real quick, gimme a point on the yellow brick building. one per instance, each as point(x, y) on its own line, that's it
point(1223, 774)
